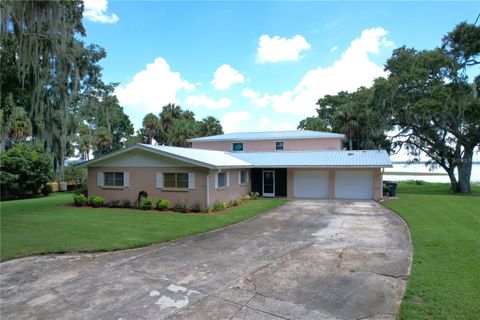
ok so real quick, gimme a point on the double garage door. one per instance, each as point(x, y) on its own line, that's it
point(348, 184)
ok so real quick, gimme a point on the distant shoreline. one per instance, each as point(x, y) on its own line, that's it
point(402, 173)
point(422, 162)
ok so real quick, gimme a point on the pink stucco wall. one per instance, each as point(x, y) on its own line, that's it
point(377, 181)
point(144, 179)
point(234, 191)
point(269, 145)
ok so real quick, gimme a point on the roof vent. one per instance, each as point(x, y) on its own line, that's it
point(350, 153)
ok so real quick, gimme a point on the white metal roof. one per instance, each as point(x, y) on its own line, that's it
point(362, 158)
point(222, 159)
point(269, 135)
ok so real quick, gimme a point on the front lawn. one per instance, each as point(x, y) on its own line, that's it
point(50, 225)
point(445, 277)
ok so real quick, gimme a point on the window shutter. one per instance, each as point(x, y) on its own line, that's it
point(216, 180)
point(100, 179)
point(228, 179)
point(126, 179)
point(159, 180)
point(240, 177)
point(247, 178)
point(191, 180)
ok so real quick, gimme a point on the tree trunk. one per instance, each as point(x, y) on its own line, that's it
point(453, 179)
point(464, 171)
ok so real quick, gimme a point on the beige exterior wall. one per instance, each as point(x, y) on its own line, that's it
point(376, 173)
point(144, 179)
point(269, 145)
point(232, 192)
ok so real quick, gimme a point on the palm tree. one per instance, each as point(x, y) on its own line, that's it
point(210, 126)
point(181, 131)
point(345, 116)
point(151, 125)
point(170, 113)
point(102, 140)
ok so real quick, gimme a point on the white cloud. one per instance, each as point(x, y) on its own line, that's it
point(96, 11)
point(256, 98)
point(225, 76)
point(352, 70)
point(204, 101)
point(278, 49)
point(152, 88)
point(265, 121)
point(333, 49)
point(230, 120)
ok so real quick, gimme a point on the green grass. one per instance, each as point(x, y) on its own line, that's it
point(51, 225)
point(445, 277)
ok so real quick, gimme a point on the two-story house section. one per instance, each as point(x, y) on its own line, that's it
point(294, 164)
point(305, 140)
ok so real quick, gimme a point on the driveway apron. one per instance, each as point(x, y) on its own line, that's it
point(305, 260)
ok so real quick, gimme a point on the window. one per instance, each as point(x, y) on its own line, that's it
point(242, 178)
point(238, 146)
point(221, 179)
point(113, 179)
point(279, 145)
point(175, 180)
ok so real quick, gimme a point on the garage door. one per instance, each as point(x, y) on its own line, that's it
point(354, 185)
point(310, 184)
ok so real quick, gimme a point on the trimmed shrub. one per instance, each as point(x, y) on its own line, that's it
point(97, 201)
point(236, 202)
point(225, 205)
point(253, 195)
point(79, 200)
point(145, 203)
point(196, 207)
point(126, 203)
point(180, 207)
point(245, 197)
point(162, 204)
point(217, 206)
point(81, 189)
point(46, 190)
point(114, 204)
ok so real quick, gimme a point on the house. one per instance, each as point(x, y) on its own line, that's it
point(294, 164)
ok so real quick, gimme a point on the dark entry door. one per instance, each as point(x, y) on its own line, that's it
point(268, 183)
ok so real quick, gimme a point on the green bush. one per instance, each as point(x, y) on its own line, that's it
point(79, 200)
point(114, 204)
point(97, 201)
point(225, 205)
point(196, 207)
point(162, 204)
point(236, 202)
point(217, 206)
point(126, 203)
point(81, 189)
point(245, 197)
point(253, 195)
point(180, 207)
point(46, 190)
point(24, 169)
point(145, 203)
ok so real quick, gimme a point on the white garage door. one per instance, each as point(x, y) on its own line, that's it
point(354, 185)
point(310, 184)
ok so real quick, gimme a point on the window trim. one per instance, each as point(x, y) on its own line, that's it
point(114, 185)
point(245, 177)
point(233, 146)
point(283, 145)
point(176, 181)
point(225, 174)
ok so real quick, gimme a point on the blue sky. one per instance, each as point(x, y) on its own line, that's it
point(255, 65)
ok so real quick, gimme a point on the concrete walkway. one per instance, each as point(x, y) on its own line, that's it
point(305, 260)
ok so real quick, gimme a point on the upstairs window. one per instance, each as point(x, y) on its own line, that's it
point(237, 146)
point(113, 179)
point(175, 180)
point(279, 145)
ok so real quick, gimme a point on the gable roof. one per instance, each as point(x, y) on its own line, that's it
point(221, 159)
point(270, 135)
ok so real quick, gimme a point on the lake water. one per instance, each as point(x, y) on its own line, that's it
point(421, 168)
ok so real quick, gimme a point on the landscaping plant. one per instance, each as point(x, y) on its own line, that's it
point(145, 203)
point(79, 200)
point(162, 204)
point(97, 201)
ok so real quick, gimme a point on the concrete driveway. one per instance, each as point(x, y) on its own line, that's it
point(304, 260)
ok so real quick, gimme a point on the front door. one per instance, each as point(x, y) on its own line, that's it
point(268, 183)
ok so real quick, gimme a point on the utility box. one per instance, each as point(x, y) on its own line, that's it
point(63, 186)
